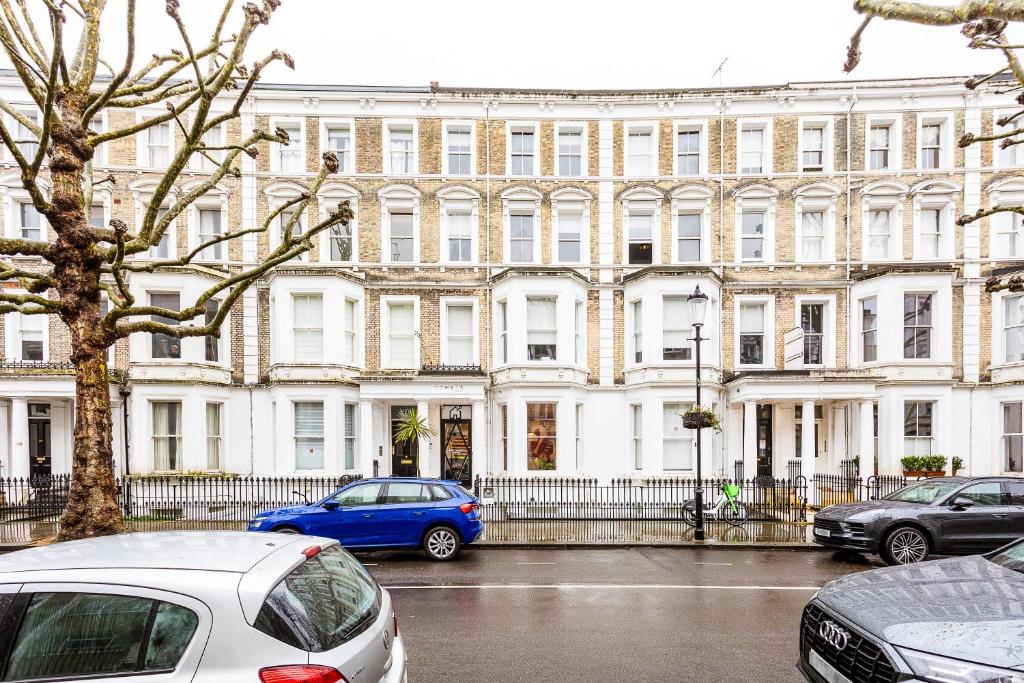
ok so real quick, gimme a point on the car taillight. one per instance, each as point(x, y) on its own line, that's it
point(311, 552)
point(467, 507)
point(301, 673)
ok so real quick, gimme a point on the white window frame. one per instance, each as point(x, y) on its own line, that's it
point(560, 349)
point(652, 128)
point(352, 332)
point(461, 124)
point(1008, 192)
point(636, 332)
point(385, 327)
point(330, 123)
point(460, 197)
point(571, 126)
point(883, 196)
point(393, 198)
point(143, 195)
point(826, 124)
point(389, 125)
point(768, 348)
point(819, 197)
point(828, 324)
point(143, 156)
point(635, 420)
point(946, 153)
point(199, 162)
point(638, 198)
point(687, 435)
point(766, 154)
point(522, 126)
point(214, 200)
point(692, 199)
point(16, 198)
point(346, 438)
point(277, 194)
point(667, 325)
point(520, 200)
point(861, 331)
point(756, 198)
point(447, 301)
point(221, 441)
point(579, 321)
point(941, 196)
point(99, 155)
point(13, 330)
point(501, 332)
point(13, 126)
point(293, 145)
point(180, 436)
point(935, 334)
point(690, 125)
point(936, 420)
point(294, 327)
point(570, 200)
point(895, 124)
point(1013, 151)
point(1003, 434)
point(322, 436)
point(328, 197)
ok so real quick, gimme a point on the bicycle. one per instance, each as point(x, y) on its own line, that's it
point(727, 508)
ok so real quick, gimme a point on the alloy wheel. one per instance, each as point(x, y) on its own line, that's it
point(441, 543)
point(908, 546)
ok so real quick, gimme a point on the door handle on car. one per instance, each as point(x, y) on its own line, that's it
point(999, 514)
point(419, 514)
point(368, 515)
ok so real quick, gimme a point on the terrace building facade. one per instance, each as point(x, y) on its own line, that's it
point(518, 269)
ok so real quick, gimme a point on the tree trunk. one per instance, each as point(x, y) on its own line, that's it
point(92, 508)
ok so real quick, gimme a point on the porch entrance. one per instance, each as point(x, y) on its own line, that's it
point(764, 440)
point(39, 441)
point(457, 444)
point(405, 456)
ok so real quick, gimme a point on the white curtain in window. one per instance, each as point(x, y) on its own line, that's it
point(166, 436)
point(213, 436)
point(460, 334)
point(309, 435)
point(752, 318)
point(401, 340)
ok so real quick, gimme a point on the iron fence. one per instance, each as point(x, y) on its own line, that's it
point(185, 501)
point(833, 489)
point(630, 500)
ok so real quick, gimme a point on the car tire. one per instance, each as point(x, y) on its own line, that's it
point(286, 530)
point(441, 543)
point(905, 545)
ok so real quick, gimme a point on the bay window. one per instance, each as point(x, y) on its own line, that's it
point(214, 437)
point(1013, 328)
point(211, 342)
point(869, 329)
point(30, 221)
point(638, 330)
point(676, 329)
point(308, 327)
point(541, 436)
point(166, 416)
point(31, 330)
point(309, 435)
point(1007, 227)
point(351, 333)
point(503, 332)
point(1013, 438)
point(636, 424)
point(917, 325)
point(541, 328)
point(164, 345)
point(677, 441)
point(579, 325)
point(917, 427)
point(350, 436)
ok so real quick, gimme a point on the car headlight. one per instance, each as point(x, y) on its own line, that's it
point(255, 524)
point(943, 670)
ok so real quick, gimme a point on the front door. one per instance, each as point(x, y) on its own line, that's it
point(982, 526)
point(457, 452)
point(405, 455)
point(764, 441)
point(39, 440)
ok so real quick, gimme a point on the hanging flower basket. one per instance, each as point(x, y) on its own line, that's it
point(701, 418)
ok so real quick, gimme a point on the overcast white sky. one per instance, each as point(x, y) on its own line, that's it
point(569, 43)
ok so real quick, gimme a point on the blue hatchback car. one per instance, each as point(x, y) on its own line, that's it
point(437, 516)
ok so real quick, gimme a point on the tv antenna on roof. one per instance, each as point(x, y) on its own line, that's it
point(718, 72)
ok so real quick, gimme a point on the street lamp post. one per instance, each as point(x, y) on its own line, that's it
point(698, 308)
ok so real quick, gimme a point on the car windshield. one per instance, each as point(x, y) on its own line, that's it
point(923, 492)
point(1011, 558)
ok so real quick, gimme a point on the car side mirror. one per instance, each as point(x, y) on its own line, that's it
point(962, 502)
point(331, 505)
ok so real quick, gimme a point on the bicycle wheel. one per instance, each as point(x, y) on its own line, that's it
point(737, 516)
point(689, 513)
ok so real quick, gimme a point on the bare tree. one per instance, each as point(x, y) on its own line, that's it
point(71, 84)
point(983, 23)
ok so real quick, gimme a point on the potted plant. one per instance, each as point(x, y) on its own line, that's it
point(411, 427)
point(935, 466)
point(699, 417)
point(957, 464)
point(913, 466)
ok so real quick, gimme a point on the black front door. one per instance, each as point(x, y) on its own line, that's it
point(39, 440)
point(764, 441)
point(457, 452)
point(405, 456)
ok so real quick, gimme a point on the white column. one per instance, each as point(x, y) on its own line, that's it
point(866, 440)
point(367, 452)
point(807, 464)
point(426, 457)
point(749, 440)
point(480, 463)
point(19, 437)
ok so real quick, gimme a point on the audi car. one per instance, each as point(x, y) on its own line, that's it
point(196, 607)
point(944, 516)
point(947, 621)
point(434, 515)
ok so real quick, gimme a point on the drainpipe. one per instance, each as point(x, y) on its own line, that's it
point(723, 392)
point(252, 441)
point(849, 267)
point(488, 295)
point(126, 394)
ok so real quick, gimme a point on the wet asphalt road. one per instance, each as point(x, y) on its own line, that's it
point(631, 614)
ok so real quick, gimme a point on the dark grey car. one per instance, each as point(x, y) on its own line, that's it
point(945, 515)
point(960, 619)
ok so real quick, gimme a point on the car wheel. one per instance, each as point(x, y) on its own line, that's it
point(287, 530)
point(905, 545)
point(441, 544)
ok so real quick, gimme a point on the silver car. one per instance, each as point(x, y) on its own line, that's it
point(202, 607)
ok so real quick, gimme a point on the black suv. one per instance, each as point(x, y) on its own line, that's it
point(944, 515)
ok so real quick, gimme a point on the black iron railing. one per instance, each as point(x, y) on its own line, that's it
point(832, 489)
point(440, 369)
point(185, 501)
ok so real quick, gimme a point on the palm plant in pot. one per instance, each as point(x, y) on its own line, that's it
point(699, 417)
point(411, 427)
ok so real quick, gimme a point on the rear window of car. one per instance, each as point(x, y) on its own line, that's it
point(71, 635)
point(324, 602)
point(439, 492)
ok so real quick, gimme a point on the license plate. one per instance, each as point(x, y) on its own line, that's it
point(823, 532)
point(825, 669)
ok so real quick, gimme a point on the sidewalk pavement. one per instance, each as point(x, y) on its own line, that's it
point(767, 535)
